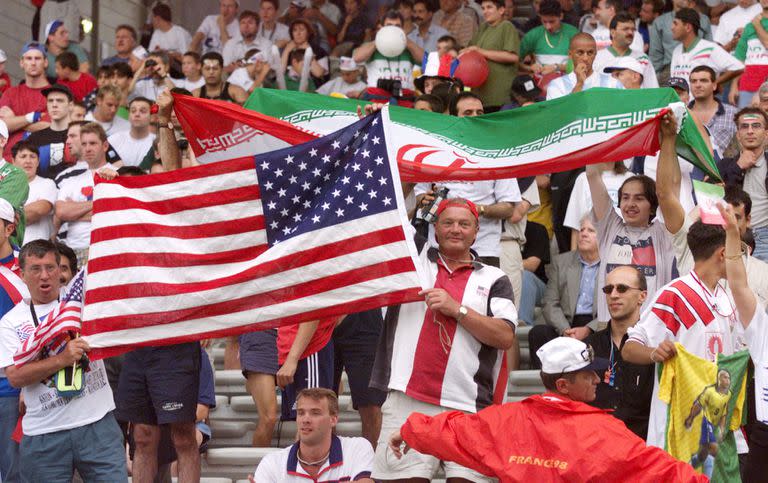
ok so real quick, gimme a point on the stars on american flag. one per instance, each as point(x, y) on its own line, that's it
point(335, 179)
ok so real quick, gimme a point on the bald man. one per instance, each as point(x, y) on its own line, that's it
point(581, 50)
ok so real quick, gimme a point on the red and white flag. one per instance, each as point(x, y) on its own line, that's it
point(308, 232)
point(53, 332)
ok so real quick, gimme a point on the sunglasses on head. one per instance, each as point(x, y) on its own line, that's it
point(620, 287)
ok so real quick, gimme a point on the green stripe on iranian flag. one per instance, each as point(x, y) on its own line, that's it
point(597, 125)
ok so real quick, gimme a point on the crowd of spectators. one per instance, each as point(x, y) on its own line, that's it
point(579, 254)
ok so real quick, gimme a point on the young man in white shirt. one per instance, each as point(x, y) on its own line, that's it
point(582, 51)
point(216, 30)
point(105, 113)
point(693, 51)
point(269, 28)
point(622, 33)
point(192, 68)
point(235, 48)
point(318, 455)
point(167, 36)
point(134, 144)
point(74, 203)
point(61, 434)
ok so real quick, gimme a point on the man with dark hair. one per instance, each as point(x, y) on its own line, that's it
point(318, 450)
point(622, 33)
point(126, 39)
point(60, 431)
point(487, 441)
point(748, 170)
point(548, 43)
point(693, 51)
point(426, 33)
point(269, 28)
point(582, 51)
point(662, 41)
point(649, 11)
point(80, 83)
point(67, 263)
point(626, 388)
point(167, 36)
point(216, 30)
point(605, 11)
point(215, 87)
point(132, 145)
point(466, 104)
point(694, 309)
point(50, 141)
point(235, 48)
point(191, 67)
point(710, 111)
point(429, 102)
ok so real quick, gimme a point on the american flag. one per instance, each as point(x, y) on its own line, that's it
point(311, 231)
point(53, 332)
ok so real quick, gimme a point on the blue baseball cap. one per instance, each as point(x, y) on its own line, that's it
point(52, 27)
point(32, 46)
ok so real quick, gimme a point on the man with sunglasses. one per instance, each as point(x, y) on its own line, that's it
point(550, 437)
point(625, 388)
point(694, 310)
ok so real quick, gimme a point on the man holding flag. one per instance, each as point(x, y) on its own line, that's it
point(61, 432)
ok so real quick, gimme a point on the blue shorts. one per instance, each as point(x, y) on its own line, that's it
point(707, 432)
point(354, 345)
point(313, 371)
point(160, 385)
point(258, 352)
point(95, 450)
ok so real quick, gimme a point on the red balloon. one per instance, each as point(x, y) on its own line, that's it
point(472, 69)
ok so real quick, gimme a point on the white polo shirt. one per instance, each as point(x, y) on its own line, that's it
point(351, 459)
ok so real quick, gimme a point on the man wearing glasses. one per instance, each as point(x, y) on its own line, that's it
point(625, 388)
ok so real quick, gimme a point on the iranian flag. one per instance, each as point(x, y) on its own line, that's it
point(598, 125)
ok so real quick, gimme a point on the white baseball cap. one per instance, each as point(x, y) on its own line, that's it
point(6, 211)
point(3, 129)
point(622, 63)
point(347, 64)
point(566, 354)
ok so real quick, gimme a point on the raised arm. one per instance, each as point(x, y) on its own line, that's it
point(601, 200)
point(668, 177)
point(743, 297)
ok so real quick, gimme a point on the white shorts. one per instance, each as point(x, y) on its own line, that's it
point(413, 464)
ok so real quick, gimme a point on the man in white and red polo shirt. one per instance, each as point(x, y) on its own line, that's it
point(448, 351)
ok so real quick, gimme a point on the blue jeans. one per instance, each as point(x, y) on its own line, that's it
point(761, 243)
point(96, 451)
point(745, 99)
point(530, 296)
point(9, 450)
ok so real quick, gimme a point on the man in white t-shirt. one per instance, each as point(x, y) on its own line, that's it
point(318, 455)
point(269, 28)
point(105, 113)
point(693, 51)
point(61, 434)
point(582, 51)
point(167, 36)
point(235, 48)
point(134, 144)
point(216, 30)
point(733, 21)
point(74, 203)
point(605, 13)
point(623, 31)
point(754, 319)
point(152, 77)
point(42, 193)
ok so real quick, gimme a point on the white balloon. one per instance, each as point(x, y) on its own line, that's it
point(390, 41)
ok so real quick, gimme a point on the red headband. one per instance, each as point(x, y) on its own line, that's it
point(459, 203)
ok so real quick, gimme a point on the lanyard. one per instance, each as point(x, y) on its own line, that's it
point(34, 315)
point(612, 368)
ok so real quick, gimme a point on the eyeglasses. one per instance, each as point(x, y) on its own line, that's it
point(620, 287)
point(754, 125)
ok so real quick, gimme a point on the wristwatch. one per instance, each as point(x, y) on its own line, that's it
point(168, 125)
point(463, 311)
point(482, 210)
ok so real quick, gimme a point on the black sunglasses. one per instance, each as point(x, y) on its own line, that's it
point(620, 287)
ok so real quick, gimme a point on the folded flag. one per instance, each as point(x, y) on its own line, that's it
point(53, 333)
point(311, 231)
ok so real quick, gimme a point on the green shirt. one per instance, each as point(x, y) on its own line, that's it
point(504, 37)
point(548, 48)
point(14, 188)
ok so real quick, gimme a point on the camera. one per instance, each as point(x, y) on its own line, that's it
point(393, 86)
point(150, 63)
point(182, 144)
point(429, 212)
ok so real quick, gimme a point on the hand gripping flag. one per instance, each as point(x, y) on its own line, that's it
point(597, 125)
point(311, 231)
point(56, 329)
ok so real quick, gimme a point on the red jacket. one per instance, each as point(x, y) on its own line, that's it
point(544, 439)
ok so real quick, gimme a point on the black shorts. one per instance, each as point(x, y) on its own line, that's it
point(354, 345)
point(159, 385)
point(313, 371)
point(258, 352)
